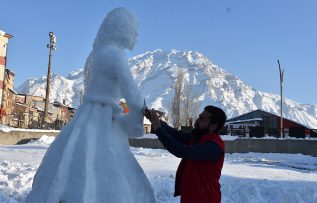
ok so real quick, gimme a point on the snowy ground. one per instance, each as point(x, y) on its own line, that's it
point(251, 177)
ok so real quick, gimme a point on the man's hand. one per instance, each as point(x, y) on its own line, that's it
point(147, 113)
point(154, 118)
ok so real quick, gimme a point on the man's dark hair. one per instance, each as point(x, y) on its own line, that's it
point(218, 116)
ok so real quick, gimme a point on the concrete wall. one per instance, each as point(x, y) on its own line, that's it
point(146, 143)
point(22, 137)
point(307, 147)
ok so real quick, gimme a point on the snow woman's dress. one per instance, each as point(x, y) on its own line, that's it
point(90, 160)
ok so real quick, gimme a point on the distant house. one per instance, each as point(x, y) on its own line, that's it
point(25, 112)
point(62, 114)
point(28, 112)
point(147, 126)
point(268, 122)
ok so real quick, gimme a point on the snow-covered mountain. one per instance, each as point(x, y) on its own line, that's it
point(63, 89)
point(155, 73)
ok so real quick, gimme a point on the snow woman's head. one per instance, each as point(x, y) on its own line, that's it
point(120, 27)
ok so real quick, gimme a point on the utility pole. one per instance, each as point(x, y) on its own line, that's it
point(81, 92)
point(281, 86)
point(51, 46)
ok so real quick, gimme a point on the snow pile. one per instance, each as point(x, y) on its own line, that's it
point(264, 191)
point(43, 140)
point(147, 152)
point(276, 138)
point(223, 137)
point(15, 180)
point(247, 178)
point(255, 177)
point(148, 136)
point(164, 188)
point(229, 137)
point(5, 128)
point(293, 161)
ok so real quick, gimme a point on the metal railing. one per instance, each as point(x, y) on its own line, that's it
point(271, 132)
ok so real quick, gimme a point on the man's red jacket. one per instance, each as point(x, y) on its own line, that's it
point(198, 181)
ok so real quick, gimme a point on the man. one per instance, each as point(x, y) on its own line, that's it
point(202, 153)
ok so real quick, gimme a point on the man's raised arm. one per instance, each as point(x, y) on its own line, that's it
point(178, 135)
point(209, 151)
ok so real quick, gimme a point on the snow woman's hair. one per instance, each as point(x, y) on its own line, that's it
point(119, 27)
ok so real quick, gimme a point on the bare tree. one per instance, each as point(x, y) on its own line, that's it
point(185, 106)
point(176, 104)
point(190, 106)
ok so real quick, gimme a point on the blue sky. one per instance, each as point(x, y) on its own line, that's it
point(243, 37)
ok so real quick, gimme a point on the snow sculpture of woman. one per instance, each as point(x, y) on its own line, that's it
point(90, 160)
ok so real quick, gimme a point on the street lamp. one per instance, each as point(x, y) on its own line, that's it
point(51, 46)
point(281, 86)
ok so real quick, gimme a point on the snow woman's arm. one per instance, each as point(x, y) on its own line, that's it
point(131, 93)
point(129, 89)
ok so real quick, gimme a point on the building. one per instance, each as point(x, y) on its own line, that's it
point(62, 114)
point(24, 113)
point(29, 111)
point(9, 97)
point(20, 117)
point(147, 126)
point(260, 122)
point(4, 40)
